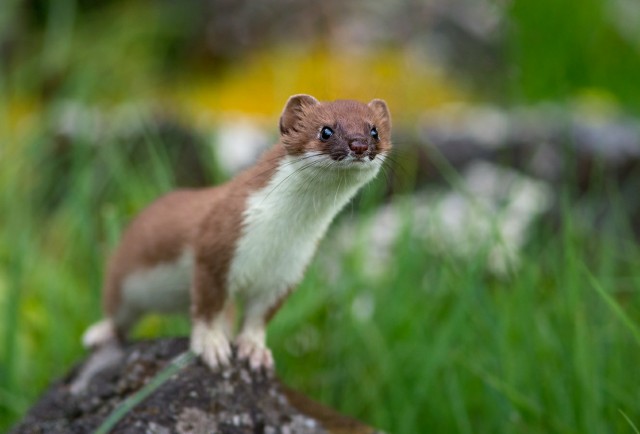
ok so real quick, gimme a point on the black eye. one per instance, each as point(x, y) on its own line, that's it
point(374, 133)
point(326, 133)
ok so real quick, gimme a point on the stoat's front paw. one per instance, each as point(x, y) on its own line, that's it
point(252, 347)
point(211, 344)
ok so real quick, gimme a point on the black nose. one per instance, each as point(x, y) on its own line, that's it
point(358, 147)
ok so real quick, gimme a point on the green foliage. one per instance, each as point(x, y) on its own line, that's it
point(433, 344)
point(560, 49)
point(450, 349)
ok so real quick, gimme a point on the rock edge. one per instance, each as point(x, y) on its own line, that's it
point(235, 400)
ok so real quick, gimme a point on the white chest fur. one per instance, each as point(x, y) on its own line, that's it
point(284, 221)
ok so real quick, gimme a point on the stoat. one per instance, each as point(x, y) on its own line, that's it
point(249, 239)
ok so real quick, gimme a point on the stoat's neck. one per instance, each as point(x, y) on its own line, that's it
point(311, 184)
point(284, 220)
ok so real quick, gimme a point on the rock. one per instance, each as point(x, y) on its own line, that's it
point(546, 141)
point(193, 400)
point(589, 151)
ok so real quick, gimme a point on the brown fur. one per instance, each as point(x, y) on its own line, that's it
point(158, 234)
point(210, 220)
point(300, 130)
point(218, 233)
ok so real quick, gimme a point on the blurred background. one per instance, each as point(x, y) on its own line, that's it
point(488, 281)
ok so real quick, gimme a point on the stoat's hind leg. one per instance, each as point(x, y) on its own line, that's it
point(100, 334)
point(107, 352)
point(113, 329)
point(104, 339)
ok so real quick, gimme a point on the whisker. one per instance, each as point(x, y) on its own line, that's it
point(324, 167)
point(306, 187)
point(335, 197)
point(385, 170)
point(288, 163)
point(321, 167)
point(394, 164)
point(304, 167)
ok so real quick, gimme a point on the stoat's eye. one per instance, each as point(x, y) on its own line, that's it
point(374, 133)
point(326, 133)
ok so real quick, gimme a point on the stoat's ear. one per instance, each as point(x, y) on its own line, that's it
point(381, 109)
point(294, 111)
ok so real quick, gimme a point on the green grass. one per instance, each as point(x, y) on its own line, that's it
point(558, 50)
point(450, 349)
point(435, 344)
point(444, 347)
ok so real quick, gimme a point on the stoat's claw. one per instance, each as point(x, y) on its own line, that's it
point(216, 355)
point(251, 347)
point(211, 344)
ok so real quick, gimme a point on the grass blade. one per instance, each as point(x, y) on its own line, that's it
point(615, 307)
point(121, 411)
point(629, 421)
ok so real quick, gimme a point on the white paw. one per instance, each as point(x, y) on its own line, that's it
point(252, 347)
point(211, 344)
point(99, 334)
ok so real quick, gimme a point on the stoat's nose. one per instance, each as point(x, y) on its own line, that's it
point(358, 146)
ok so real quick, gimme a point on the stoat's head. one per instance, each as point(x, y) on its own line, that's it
point(349, 133)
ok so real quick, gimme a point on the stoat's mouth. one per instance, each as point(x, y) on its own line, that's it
point(356, 162)
point(359, 158)
point(344, 161)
